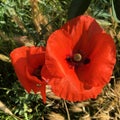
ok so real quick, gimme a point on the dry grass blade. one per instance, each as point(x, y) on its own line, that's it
point(3, 36)
point(75, 109)
point(108, 109)
point(23, 40)
point(104, 116)
point(55, 116)
point(68, 114)
point(85, 117)
point(37, 16)
point(19, 22)
point(8, 111)
point(5, 109)
point(50, 94)
point(4, 58)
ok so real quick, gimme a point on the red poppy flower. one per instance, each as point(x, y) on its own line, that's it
point(27, 62)
point(79, 59)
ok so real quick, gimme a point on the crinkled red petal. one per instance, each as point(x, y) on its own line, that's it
point(25, 60)
point(86, 80)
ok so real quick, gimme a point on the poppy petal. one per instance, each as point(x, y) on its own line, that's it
point(63, 80)
point(25, 60)
point(55, 58)
point(82, 27)
point(102, 57)
point(85, 81)
point(59, 51)
point(91, 40)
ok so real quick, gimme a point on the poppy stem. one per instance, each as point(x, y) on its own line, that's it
point(68, 114)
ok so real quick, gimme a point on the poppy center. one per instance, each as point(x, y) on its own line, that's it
point(37, 72)
point(77, 57)
point(74, 59)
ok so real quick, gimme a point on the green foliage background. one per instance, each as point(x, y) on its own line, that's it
point(29, 106)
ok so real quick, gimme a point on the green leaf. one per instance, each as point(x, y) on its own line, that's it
point(78, 7)
point(116, 10)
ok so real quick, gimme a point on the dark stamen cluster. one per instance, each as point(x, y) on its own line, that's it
point(86, 61)
point(70, 60)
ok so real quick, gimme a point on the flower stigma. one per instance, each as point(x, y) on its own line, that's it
point(77, 57)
